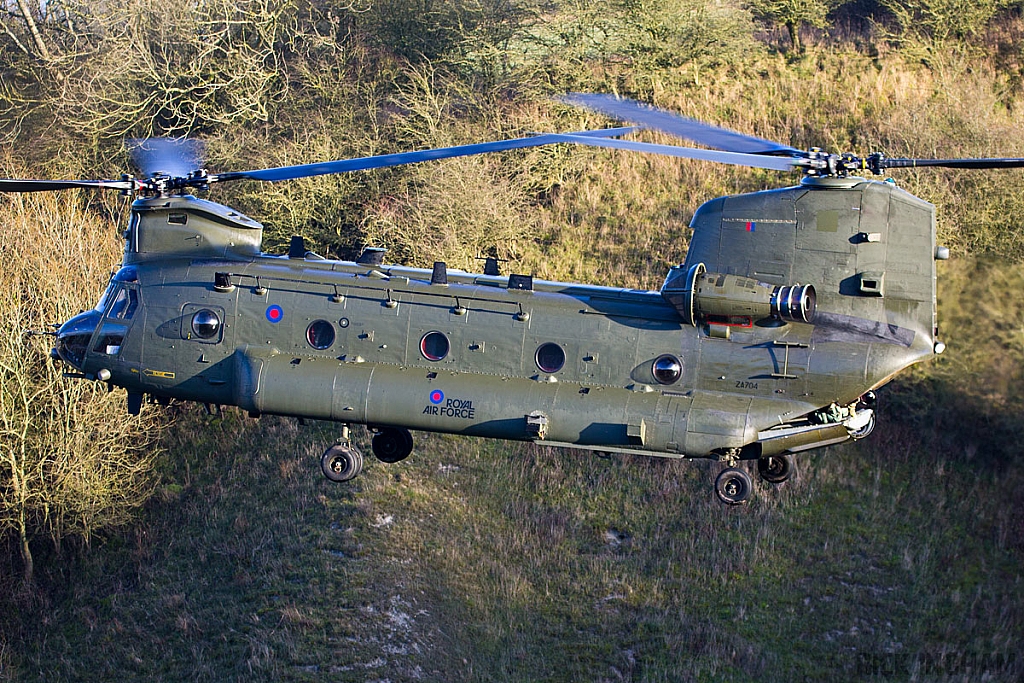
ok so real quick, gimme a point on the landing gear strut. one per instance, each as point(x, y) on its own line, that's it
point(392, 444)
point(733, 486)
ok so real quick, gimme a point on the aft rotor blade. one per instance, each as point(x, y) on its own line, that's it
point(7, 185)
point(982, 163)
point(734, 158)
point(387, 160)
point(679, 126)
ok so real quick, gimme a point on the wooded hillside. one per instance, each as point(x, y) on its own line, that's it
point(181, 546)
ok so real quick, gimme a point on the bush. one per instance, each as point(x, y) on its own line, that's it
point(72, 462)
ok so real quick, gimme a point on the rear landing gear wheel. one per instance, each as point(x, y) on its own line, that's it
point(864, 431)
point(341, 462)
point(733, 486)
point(392, 444)
point(775, 469)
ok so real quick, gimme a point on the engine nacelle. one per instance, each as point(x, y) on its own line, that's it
point(699, 295)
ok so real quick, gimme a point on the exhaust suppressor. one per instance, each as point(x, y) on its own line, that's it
point(699, 295)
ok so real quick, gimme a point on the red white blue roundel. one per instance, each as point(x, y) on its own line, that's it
point(275, 313)
point(436, 396)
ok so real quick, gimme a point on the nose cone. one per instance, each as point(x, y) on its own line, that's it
point(74, 335)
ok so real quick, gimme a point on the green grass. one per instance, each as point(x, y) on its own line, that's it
point(479, 560)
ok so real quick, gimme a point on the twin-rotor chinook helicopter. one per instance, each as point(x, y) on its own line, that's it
point(792, 307)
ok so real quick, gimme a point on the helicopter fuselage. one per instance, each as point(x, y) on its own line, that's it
point(730, 360)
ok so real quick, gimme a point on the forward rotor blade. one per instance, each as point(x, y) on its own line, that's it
point(7, 185)
point(173, 157)
point(387, 160)
point(679, 126)
point(734, 158)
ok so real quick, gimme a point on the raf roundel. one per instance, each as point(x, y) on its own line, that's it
point(436, 396)
point(275, 313)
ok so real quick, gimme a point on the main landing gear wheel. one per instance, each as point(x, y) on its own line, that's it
point(341, 462)
point(733, 486)
point(392, 444)
point(775, 469)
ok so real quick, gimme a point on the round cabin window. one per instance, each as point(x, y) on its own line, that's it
point(667, 369)
point(205, 324)
point(550, 357)
point(434, 346)
point(320, 334)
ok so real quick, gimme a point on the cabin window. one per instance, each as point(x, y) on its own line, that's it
point(550, 357)
point(434, 345)
point(205, 324)
point(667, 369)
point(320, 334)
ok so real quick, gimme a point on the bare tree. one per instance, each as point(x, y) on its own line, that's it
point(72, 462)
point(22, 12)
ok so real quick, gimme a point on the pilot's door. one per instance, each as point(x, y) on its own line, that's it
point(113, 342)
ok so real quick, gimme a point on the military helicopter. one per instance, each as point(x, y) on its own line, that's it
point(793, 306)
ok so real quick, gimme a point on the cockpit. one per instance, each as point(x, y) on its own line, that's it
point(105, 326)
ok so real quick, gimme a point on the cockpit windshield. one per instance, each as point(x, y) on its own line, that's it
point(106, 297)
point(111, 316)
point(126, 299)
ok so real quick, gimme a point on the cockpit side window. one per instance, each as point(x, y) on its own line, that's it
point(119, 304)
point(125, 302)
point(109, 340)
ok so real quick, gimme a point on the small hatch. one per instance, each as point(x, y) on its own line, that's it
point(872, 283)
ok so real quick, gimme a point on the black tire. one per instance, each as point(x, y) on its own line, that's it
point(392, 444)
point(864, 431)
point(341, 463)
point(775, 469)
point(733, 486)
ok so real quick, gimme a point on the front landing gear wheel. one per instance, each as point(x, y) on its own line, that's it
point(392, 444)
point(341, 462)
point(775, 469)
point(733, 486)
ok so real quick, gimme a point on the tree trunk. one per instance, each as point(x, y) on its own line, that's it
point(28, 566)
point(794, 36)
point(33, 30)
